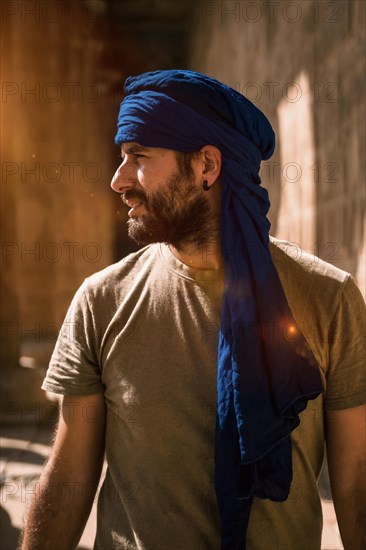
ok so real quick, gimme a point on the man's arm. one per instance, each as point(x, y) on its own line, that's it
point(63, 500)
point(346, 451)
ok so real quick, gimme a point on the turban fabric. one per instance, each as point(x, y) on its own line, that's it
point(264, 379)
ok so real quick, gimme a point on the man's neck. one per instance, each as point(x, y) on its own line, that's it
point(207, 256)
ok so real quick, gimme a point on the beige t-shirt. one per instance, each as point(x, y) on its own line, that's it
point(145, 331)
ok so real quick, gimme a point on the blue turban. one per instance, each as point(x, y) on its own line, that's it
point(263, 380)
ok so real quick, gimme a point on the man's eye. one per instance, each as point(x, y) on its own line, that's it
point(134, 155)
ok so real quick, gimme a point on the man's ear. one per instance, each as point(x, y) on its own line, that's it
point(211, 163)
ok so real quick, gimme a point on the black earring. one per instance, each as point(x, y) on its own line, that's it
point(205, 185)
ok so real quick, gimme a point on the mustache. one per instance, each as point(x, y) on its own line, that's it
point(134, 194)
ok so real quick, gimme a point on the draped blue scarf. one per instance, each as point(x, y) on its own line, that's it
point(264, 380)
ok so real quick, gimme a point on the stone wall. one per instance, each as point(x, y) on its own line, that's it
point(63, 65)
point(58, 211)
point(302, 64)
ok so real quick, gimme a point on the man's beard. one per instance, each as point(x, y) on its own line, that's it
point(179, 215)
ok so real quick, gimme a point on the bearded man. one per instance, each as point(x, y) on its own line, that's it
point(192, 361)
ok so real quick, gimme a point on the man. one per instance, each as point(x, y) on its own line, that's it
point(190, 361)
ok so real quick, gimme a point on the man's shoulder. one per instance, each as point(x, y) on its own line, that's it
point(312, 286)
point(124, 269)
point(292, 261)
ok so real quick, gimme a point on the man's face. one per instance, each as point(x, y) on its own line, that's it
point(166, 200)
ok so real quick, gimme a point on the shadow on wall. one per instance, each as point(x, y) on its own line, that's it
point(301, 63)
point(9, 534)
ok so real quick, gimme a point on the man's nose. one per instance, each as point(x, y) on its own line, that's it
point(124, 177)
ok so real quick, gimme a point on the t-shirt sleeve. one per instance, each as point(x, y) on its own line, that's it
point(73, 368)
point(346, 375)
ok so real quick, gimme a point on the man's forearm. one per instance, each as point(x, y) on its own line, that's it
point(351, 515)
point(346, 450)
point(58, 512)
